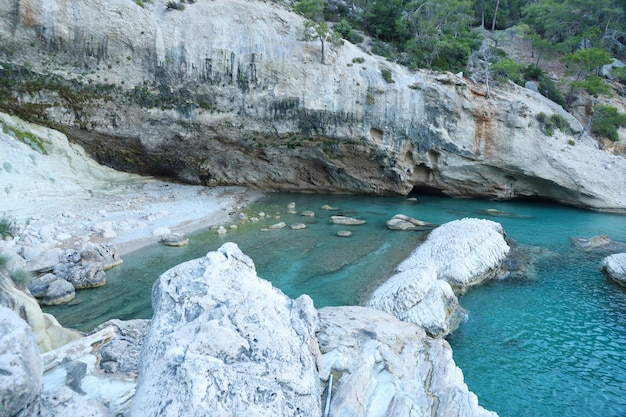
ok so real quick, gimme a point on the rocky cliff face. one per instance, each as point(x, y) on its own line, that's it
point(224, 92)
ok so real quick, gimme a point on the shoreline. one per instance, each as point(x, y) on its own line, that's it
point(131, 218)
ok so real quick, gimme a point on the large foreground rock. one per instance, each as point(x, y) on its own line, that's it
point(199, 93)
point(20, 366)
point(455, 256)
point(384, 367)
point(224, 342)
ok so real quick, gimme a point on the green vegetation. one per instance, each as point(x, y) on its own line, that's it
point(173, 5)
point(606, 120)
point(315, 27)
point(28, 138)
point(8, 227)
point(21, 278)
point(386, 75)
point(555, 121)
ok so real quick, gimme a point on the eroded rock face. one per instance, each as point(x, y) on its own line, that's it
point(225, 92)
point(386, 367)
point(20, 366)
point(455, 256)
point(49, 334)
point(224, 342)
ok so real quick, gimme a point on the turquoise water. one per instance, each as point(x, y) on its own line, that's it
point(548, 341)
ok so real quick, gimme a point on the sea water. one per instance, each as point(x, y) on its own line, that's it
point(547, 341)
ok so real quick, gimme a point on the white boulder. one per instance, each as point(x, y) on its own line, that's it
point(224, 342)
point(615, 268)
point(456, 256)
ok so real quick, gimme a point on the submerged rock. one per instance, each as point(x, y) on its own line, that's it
point(346, 221)
point(615, 268)
point(224, 342)
point(601, 243)
point(175, 239)
point(403, 222)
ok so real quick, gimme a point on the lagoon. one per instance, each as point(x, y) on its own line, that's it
point(547, 341)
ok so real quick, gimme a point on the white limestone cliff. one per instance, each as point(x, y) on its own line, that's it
point(200, 94)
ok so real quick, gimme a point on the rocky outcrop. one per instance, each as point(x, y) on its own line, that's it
point(225, 92)
point(455, 256)
point(224, 342)
point(404, 222)
point(615, 268)
point(49, 334)
point(386, 367)
point(20, 366)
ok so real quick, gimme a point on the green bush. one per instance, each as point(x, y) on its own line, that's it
point(555, 121)
point(508, 68)
point(344, 29)
point(174, 5)
point(594, 85)
point(387, 75)
point(8, 227)
point(605, 121)
point(549, 89)
point(532, 72)
point(21, 278)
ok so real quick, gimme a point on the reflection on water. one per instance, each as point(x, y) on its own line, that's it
point(547, 342)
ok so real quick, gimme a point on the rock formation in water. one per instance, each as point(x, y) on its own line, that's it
point(615, 268)
point(225, 92)
point(225, 342)
point(455, 256)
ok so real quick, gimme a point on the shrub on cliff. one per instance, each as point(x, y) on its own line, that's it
point(606, 120)
point(8, 227)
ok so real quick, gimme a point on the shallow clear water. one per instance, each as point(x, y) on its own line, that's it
point(548, 341)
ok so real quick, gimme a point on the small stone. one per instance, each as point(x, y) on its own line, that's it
point(243, 216)
point(232, 227)
point(221, 230)
point(59, 292)
point(308, 213)
point(291, 206)
point(261, 214)
point(344, 233)
point(298, 226)
point(175, 239)
point(329, 208)
point(346, 221)
point(278, 225)
point(254, 219)
point(39, 286)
